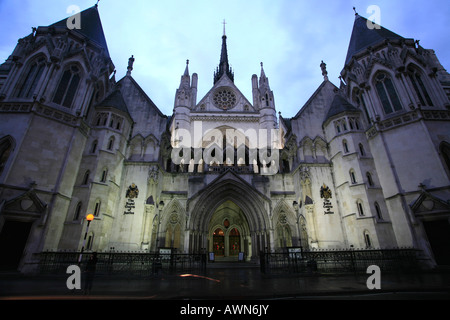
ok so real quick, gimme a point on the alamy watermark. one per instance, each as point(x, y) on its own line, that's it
point(74, 21)
point(374, 20)
point(374, 281)
point(228, 147)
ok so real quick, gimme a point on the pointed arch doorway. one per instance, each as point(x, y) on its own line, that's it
point(229, 232)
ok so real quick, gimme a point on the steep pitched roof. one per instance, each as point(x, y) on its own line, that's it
point(91, 27)
point(145, 96)
point(115, 100)
point(339, 105)
point(363, 37)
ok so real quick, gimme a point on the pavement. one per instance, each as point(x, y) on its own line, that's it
point(230, 282)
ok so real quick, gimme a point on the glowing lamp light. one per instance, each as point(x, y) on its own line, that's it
point(90, 217)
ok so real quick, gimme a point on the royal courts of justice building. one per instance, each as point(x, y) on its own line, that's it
point(365, 163)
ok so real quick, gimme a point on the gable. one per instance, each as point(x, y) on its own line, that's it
point(224, 96)
point(427, 203)
point(28, 204)
point(309, 120)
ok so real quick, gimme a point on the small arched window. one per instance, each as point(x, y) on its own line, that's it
point(94, 146)
point(345, 145)
point(387, 93)
point(111, 143)
point(68, 86)
point(378, 210)
point(352, 176)
point(104, 175)
point(369, 179)
point(31, 81)
point(361, 150)
point(419, 87)
point(360, 208)
point(367, 240)
point(77, 213)
point(97, 207)
point(86, 178)
point(90, 241)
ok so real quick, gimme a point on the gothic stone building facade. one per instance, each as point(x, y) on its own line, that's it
point(365, 164)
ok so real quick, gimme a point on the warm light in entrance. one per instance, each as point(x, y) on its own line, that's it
point(90, 217)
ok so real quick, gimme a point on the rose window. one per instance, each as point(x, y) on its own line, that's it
point(225, 99)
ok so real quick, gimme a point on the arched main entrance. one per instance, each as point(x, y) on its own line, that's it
point(234, 206)
point(229, 233)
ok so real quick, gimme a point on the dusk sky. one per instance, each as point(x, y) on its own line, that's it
point(291, 38)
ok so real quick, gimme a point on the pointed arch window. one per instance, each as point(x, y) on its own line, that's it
point(77, 213)
point(360, 208)
point(369, 179)
point(352, 176)
point(67, 87)
point(361, 150)
point(94, 146)
point(97, 208)
point(345, 146)
point(104, 175)
point(30, 82)
point(387, 93)
point(378, 211)
point(111, 143)
point(86, 178)
point(419, 87)
point(367, 240)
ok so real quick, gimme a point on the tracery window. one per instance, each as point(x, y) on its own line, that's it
point(67, 87)
point(419, 87)
point(387, 93)
point(29, 84)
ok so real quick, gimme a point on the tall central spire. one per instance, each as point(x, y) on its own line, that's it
point(224, 66)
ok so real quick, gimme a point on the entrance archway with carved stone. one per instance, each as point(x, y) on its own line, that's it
point(228, 231)
point(229, 199)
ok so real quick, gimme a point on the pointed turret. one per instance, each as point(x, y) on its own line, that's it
point(186, 95)
point(185, 78)
point(263, 80)
point(366, 34)
point(224, 66)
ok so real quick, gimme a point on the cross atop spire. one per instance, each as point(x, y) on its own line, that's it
point(224, 31)
point(224, 66)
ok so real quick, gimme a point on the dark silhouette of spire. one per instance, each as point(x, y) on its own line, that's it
point(224, 66)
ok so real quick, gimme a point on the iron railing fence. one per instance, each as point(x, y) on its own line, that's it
point(123, 263)
point(339, 261)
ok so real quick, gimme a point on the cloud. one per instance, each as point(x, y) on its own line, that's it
point(291, 37)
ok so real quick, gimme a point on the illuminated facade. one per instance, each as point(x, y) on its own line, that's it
point(365, 164)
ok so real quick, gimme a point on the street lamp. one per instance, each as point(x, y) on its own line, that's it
point(89, 218)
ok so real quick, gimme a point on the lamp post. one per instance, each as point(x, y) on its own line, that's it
point(89, 218)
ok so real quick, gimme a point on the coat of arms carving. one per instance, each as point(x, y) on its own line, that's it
point(325, 192)
point(132, 192)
